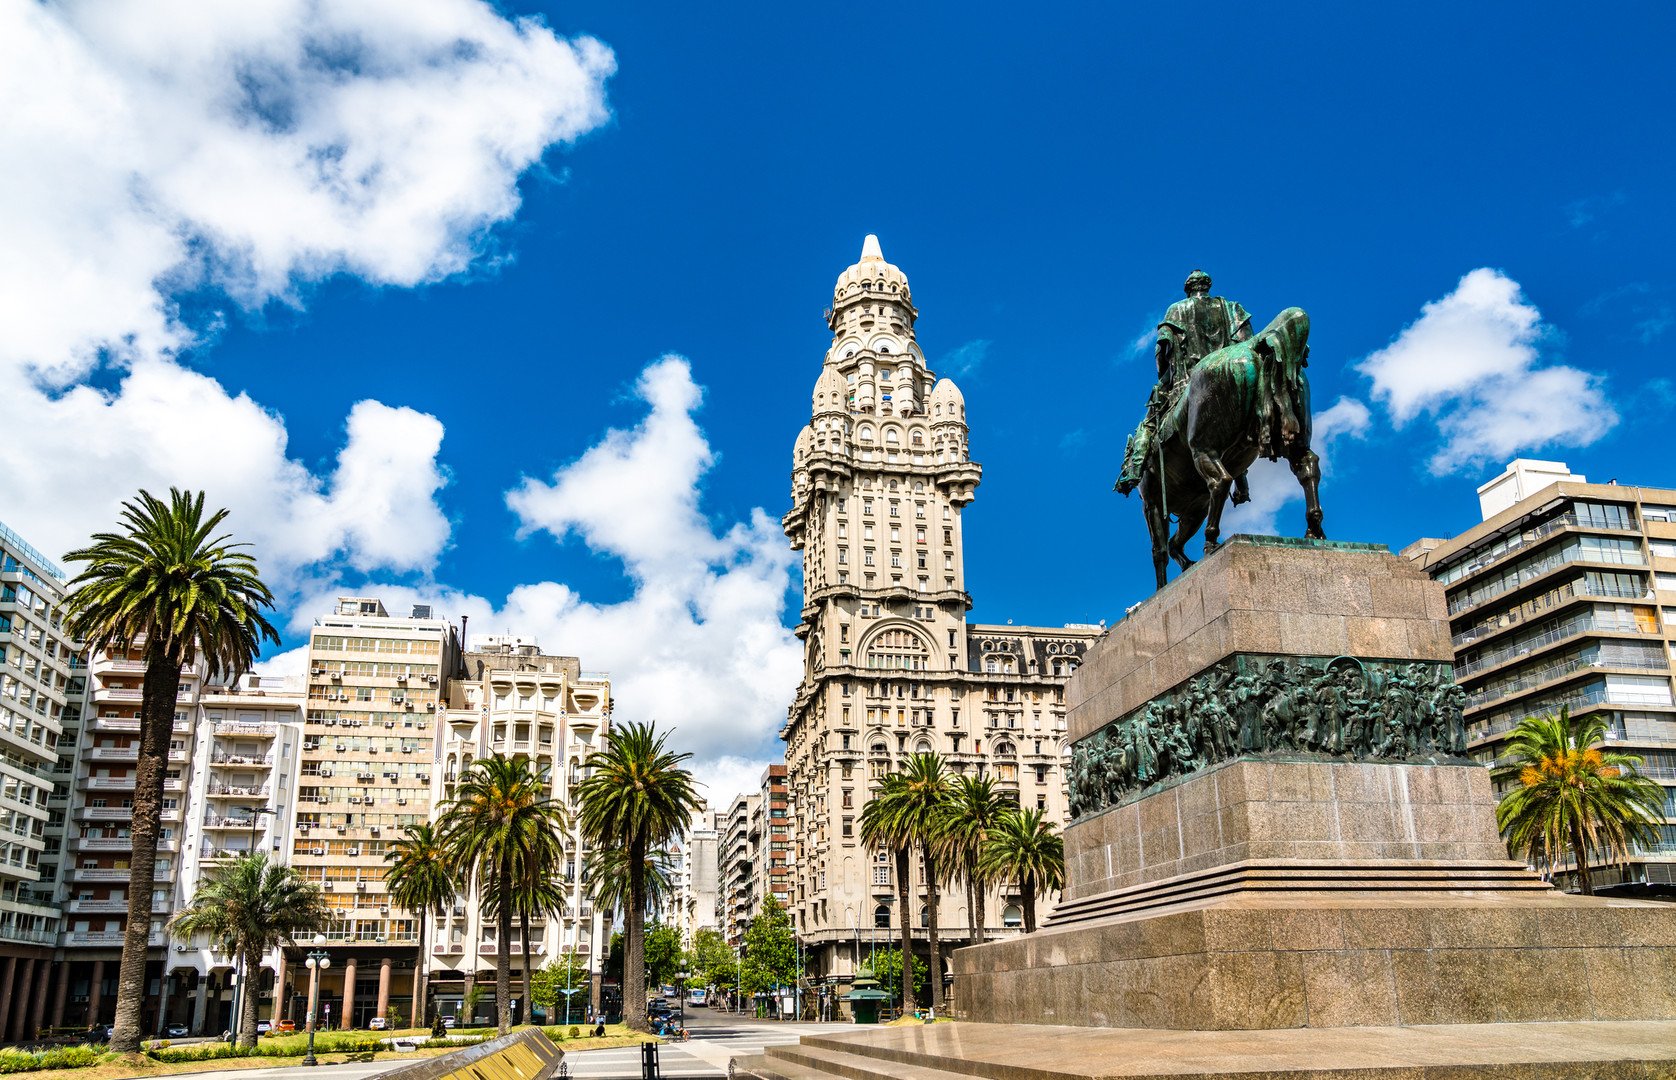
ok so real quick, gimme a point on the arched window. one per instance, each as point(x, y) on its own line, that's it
point(880, 748)
point(900, 649)
point(1011, 917)
point(924, 915)
point(881, 917)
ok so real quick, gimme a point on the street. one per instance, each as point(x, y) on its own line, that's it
point(716, 1038)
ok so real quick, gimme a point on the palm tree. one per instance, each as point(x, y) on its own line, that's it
point(421, 879)
point(173, 589)
point(607, 874)
point(1024, 847)
point(972, 809)
point(249, 907)
point(1572, 797)
point(883, 830)
point(538, 890)
point(925, 791)
point(500, 819)
point(637, 798)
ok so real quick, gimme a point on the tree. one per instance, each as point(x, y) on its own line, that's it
point(421, 879)
point(174, 590)
point(884, 829)
point(770, 949)
point(606, 870)
point(539, 890)
point(567, 971)
point(712, 960)
point(248, 907)
point(636, 798)
point(663, 953)
point(887, 968)
point(500, 821)
point(1023, 847)
point(972, 810)
point(1573, 798)
point(912, 809)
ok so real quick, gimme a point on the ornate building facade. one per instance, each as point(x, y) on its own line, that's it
point(881, 479)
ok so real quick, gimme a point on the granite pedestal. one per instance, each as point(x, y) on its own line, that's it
point(1304, 914)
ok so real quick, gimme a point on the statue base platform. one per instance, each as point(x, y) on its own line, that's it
point(1563, 1051)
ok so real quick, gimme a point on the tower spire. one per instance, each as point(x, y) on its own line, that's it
point(870, 249)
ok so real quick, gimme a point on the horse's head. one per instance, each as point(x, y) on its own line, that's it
point(1283, 349)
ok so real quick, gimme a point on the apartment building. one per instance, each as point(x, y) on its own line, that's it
point(376, 684)
point(882, 479)
point(691, 905)
point(38, 677)
point(1565, 595)
point(755, 853)
point(512, 698)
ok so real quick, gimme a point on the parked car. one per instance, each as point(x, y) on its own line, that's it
point(264, 1026)
point(449, 1021)
point(378, 1023)
point(286, 1027)
point(176, 1031)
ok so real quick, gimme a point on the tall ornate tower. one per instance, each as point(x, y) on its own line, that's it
point(880, 478)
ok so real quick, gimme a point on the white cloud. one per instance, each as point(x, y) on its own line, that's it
point(965, 359)
point(1471, 364)
point(241, 152)
point(699, 646)
point(1273, 487)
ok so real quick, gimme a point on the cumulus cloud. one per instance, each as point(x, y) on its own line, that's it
point(174, 155)
point(1471, 364)
point(699, 645)
point(1274, 488)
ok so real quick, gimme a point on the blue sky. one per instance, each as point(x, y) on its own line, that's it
point(363, 321)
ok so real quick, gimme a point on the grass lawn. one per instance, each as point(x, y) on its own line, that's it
point(324, 1043)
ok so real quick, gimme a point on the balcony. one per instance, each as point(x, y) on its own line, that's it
point(114, 843)
point(79, 875)
point(240, 761)
point(234, 791)
point(247, 730)
point(103, 813)
point(106, 939)
point(96, 907)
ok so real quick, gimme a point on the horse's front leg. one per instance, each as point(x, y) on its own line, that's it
point(1158, 527)
point(1218, 480)
point(1306, 466)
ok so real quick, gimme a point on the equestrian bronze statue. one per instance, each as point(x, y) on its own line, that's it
point(1224, 398)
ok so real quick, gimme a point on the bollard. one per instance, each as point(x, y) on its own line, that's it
point(649, 1062)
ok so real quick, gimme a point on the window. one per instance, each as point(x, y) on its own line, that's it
point(1011, 917)
point(881, 914)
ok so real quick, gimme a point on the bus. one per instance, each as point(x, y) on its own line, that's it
point(698, 997)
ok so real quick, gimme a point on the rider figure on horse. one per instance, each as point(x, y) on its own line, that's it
point(1192, 329)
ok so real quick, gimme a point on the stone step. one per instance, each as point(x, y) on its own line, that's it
point(1337, 878)
point(819, 1059)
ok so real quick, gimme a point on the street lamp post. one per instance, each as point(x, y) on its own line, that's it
point(681, 978)
point(318, 961)
point(240, 989)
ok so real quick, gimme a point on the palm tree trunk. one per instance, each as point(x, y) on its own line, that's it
point(975, 898)
point(931, 929)
point(1027, 888)
point(634, 945)
point(157, 718)
point(419, 1019)
point(524, 940)
point(905, 900)
point(503, 951)
point(1580, 851)
point(247, 997)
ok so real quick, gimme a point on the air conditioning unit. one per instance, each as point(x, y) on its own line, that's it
point(430, 706)
point(360, 886)
point(384, 911)
point(319, 671)
point(382, 938)
point(337, 676)
point(401, 802)
point(389, 723)
point(330, 722)
point(402, 679)
point(431, 679)
point(375, 831)
point(303, 829)
point(355, 799)
point(327, 886)
point(317, 851)
point(325, 772)
point(342, 829)
point(408, 706)
point(407, 749)
point(341, 748)
point(354, 851)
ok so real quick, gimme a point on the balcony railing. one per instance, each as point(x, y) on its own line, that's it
point(245, 760)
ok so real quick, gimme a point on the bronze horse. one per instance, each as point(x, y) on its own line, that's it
point(1242, 402)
